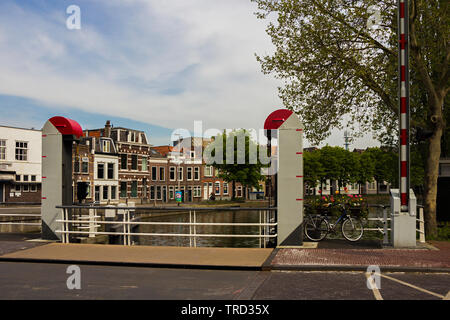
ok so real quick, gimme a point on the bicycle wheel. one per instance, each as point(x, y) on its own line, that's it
point(352, 229)
point(316, 228)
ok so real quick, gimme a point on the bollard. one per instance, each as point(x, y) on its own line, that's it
point(422, 226)
point(385, 227)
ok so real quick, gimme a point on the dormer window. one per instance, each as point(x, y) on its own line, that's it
point(106, 146)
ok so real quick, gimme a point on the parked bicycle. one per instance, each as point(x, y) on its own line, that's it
point(317, 227)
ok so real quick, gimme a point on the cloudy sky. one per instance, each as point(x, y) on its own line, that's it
point(146, 64)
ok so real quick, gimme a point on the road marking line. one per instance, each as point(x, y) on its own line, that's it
point(413, 286)
point(375, 290)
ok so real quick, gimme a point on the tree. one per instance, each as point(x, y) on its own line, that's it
point(337, 71)
point(241, 164)
point(312, 168)
point(349, 167)
point(330, 160)
point(365, 170)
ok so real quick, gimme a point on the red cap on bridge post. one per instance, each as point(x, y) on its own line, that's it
point(67, 126)
point(276, 119)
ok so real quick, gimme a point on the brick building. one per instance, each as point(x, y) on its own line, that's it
point(133, 152)
point(96, 161)
point(148, 174)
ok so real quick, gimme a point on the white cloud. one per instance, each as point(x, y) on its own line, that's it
point(163, 62)
point(225, 89)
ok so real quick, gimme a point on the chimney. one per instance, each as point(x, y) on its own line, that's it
point(108, 129)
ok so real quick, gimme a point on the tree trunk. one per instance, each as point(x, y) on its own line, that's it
point(436, 95)
point(431, 179)
point(233, 192)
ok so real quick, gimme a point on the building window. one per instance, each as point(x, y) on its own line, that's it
point(89, 193)
point(225, 188)
point(17, 177)
point(197, 173)
point(208, 171)
point(123, 189)
point(76, 165)
point(171, 192)
point(172, 173)
point(217, 188)
point(144, 164)
point(85, 165)
point(33, 178)
point(2, 149)
point(162, 174)
point(180, 173)
point(189, 173)
point(154, 172)
point(158, 193)
point(106, 146)
point(17, 188)
point(33, 188)
point(110, 170)
point(123, 161)
point(239, 191)
point(197, 192)
point(100, 171)
point(133, 137)
point(105, 193)
point(113, 192)
point(25, 188)
point(97, 193)
point(134, 162)
point(152, 192)
point(134, 187)
point(25, 178)
point(21, 150)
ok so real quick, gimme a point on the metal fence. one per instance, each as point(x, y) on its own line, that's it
point(20, 222)
point(90, 221)
point(386, 219)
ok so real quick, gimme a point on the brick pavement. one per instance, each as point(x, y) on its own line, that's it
point(411, 258)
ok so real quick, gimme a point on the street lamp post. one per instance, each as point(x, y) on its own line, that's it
point(178, 160)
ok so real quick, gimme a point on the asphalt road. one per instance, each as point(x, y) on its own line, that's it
point(24, 281)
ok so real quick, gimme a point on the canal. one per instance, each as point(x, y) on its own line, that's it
point(203, 217)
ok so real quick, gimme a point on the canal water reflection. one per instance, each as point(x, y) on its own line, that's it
point(203, 217)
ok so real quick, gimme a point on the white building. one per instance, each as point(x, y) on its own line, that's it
point(106, 172)
point(20, 165)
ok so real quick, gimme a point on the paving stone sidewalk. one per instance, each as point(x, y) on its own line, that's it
point(290, 258)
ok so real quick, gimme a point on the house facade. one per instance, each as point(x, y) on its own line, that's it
point(20, 165)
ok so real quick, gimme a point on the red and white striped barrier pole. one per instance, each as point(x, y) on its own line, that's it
point(403, 36)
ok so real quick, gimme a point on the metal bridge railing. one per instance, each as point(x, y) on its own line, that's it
point(125, 217)
point(386, 221)
point(20, 222)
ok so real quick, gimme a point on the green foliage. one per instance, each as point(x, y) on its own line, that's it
point(336, 70)
point(238, 164)
point(312, 168)
point(380, 164)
